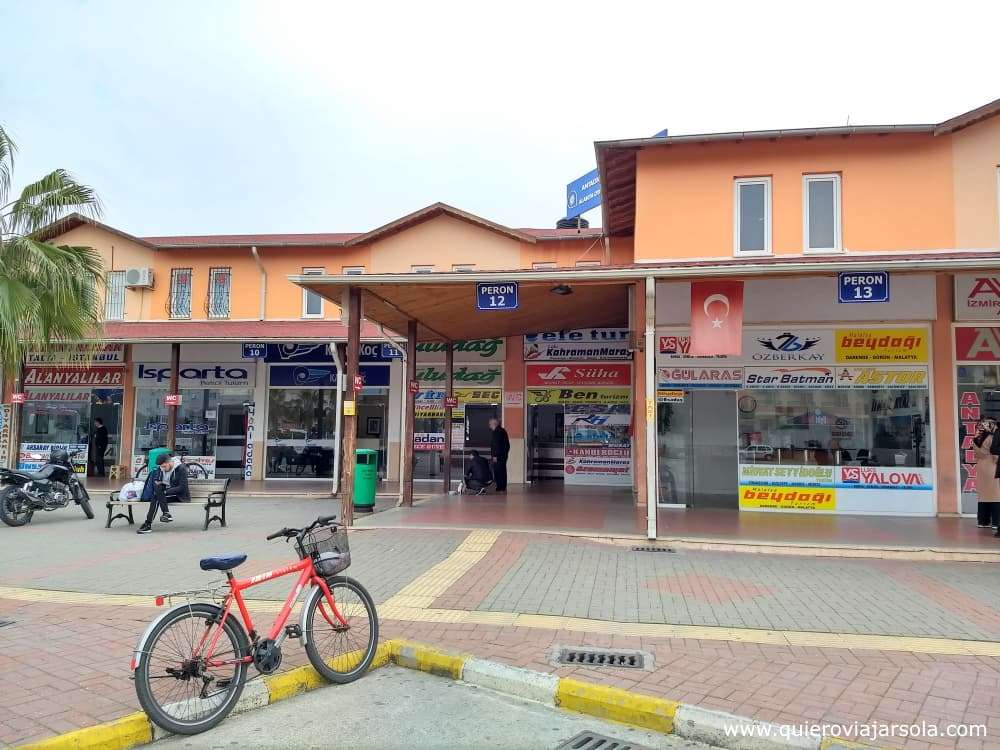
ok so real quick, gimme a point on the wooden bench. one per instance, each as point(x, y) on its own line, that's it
point(209, 494)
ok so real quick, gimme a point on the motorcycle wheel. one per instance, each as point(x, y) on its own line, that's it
point(13, 510)
point(84, 500)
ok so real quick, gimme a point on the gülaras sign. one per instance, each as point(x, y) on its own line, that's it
point(554, 375)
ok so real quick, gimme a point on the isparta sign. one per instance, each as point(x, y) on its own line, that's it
point(202, 374)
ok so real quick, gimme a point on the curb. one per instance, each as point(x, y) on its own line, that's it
point(716, 728)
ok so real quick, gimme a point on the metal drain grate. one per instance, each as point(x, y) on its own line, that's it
point(594, 741)
point(601, 658)
point(653, 549)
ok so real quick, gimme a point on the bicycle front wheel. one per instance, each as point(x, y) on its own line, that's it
point(179, 689)
point(341, 651)
point(196, 471)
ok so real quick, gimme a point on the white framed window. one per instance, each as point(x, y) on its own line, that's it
point(312, 303)
point(180, 293)
point(821, 213)
point(219, 286)
point(114, 302)
point(752, 216)
point(421, 269)
point(353, 270)
point(463, 267)
point(542, 265)
point(587, 263)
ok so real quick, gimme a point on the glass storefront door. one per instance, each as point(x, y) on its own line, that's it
point(373, 418)
point(301, 433)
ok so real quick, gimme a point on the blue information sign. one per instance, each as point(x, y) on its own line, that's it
point(388, 351)
point(863, 286)
point(496, 295)
point(254, 350)
point(583, 194)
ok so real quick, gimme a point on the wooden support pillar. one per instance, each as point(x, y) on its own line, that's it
point(406, 478)
point(175, 369)
point(449, 390)
point(351, 404)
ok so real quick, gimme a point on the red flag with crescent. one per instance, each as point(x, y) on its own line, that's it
point(716, 318)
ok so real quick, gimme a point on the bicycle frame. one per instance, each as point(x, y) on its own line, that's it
point(277, 633)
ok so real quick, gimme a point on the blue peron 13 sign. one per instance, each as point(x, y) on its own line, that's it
point(863, 286)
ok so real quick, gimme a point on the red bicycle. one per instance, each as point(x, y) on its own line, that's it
point(191, 664)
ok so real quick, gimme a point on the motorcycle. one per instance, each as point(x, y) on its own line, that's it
point(52, 487)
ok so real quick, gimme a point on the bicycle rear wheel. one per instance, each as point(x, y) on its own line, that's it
point(181, 692)
point(196, 471)
point(341, 653)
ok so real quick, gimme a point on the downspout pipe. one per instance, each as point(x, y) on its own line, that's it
point(338, 425)
point(263, 281)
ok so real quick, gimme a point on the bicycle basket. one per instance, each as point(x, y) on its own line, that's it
point(329, 550)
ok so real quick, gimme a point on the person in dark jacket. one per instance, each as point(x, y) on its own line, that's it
point(99, 441)
point(168, 483)
point(499, 450)
point(477, 474)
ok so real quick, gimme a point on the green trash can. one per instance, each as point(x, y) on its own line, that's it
point(365, 479)
point(153, 455)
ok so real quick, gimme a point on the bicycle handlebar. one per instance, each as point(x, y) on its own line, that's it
point(288, 533)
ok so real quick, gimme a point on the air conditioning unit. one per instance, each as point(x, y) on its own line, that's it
point(139, 277)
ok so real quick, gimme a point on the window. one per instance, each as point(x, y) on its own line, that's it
point(353, 270)
point(180, 293)
point(752, 216)
point(114, 301)
point(312, 303)
point(587, 263)
point(543, 265)
point(464, 267)
point(821, 213)
point(219, 284)
point(422, 269)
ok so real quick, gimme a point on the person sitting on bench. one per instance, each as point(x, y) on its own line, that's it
point(168, 481)
point(478, 475)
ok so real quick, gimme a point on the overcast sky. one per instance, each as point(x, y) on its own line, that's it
point(214, 116)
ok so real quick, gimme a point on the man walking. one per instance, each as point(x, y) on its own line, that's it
point(99, 440)
point(499, 450)
point(165, 482)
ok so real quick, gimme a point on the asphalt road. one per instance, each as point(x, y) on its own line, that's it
point(399, 708)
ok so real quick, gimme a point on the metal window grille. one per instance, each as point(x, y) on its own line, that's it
point(219, 285)
point(114, 302)
point(180, 293)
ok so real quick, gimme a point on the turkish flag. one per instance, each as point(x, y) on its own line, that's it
point(716, 318)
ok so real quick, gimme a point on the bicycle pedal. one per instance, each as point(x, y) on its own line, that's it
point(293, 631)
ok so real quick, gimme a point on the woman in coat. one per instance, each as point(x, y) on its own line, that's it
point(987, 483)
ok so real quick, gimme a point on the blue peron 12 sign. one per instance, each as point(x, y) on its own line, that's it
point(496, 295)
point(863, 286)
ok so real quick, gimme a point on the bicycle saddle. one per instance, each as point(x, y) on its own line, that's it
point(222, 562)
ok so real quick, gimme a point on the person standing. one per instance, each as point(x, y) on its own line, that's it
point(985, 446)
point(499, 450)
point(99, 441)
point(167, 482)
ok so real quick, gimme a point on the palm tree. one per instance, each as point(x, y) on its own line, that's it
point(48, 292)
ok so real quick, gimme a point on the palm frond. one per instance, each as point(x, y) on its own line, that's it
point(49, 199)
point(7, 150)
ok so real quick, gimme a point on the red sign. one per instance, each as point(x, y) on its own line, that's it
point(18, 398)
point(359, 382)
point(716, 318)
point(977, 344)
point(172, 399)
point(414, 386)
point(84, 377)
point(450, 402)
point(553, 375)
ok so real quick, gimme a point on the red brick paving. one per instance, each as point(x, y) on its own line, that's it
point(63, 667)
point(469, 591)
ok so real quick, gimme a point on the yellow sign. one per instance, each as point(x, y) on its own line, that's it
point(670, 396)
point(579, 395)
point(650, 410)
point(788, 498)
point(478, 395)
point(882, 377)
point(899, 345)
point(349, 410)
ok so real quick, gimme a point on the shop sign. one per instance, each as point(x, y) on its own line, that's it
point(299, 352)
point(465, 374)
point(233, 374)
point(472, 350)
point(674, 346)
point(977, 344)
point(598, 448)
point(885, 478)
point(428, 441)
point(881, 377)
point(578, 344)
point(780, 475)
point(579, 374)
point(324, 376)
point(33, 456)
point(701, 377)
point(969, 414)
point(248, 457)
point(784, 345)
point(862, 286)
point(792, 378)
point(787, 498)
point(83, 377)
point(664, 396)
point(74, 395)
point(977, 296)
point(881, 345)
point(579, 396)
point(87, 354)
point(430, 404)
